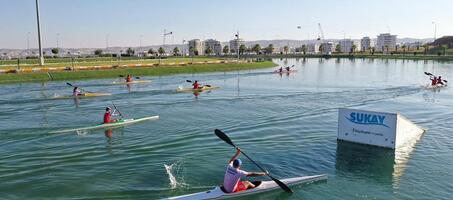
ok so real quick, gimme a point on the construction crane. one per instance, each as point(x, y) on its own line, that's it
point(323, 42)
point(321, 33)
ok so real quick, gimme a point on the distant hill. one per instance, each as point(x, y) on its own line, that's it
point(446, 40)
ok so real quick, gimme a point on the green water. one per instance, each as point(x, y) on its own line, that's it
point(287, 123)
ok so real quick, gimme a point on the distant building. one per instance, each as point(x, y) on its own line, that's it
point(346, 45)
point(197, 46)
point(385, 41)
point(365, 44)
point(326, 48)
point(312, 48)
point(235, 44)
point(214, 45)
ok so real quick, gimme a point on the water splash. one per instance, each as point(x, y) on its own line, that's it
point(173, 172)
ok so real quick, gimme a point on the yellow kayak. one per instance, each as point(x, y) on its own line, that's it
point(201, 89)
point(88, 94)
point(132, 82)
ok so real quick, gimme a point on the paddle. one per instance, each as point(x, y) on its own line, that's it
point(189, 81)
point(117, 110)
point(79, 88)
point(225, 138)
point(122, 76)
point(430, 74)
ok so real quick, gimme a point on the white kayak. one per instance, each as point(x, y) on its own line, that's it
point(122, 122)
point(263, 186)
point(429, 86)
point(201, 89)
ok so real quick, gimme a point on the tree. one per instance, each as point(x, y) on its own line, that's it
point(151, 51)
point(338, 48)
point(161, 50)
point(208, 51)
point(353, 48)
point(270, 49)
point(286, 49)
point(425, 48)
point(226, 49)
point(242, 49)
point(98, 52)
point(404, 48)
point(304, 49)
point(175, 51)
point(256, 48)
point(191, 51)
point(55, 51)
point(130, 51)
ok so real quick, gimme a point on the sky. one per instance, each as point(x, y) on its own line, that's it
point(91, 23)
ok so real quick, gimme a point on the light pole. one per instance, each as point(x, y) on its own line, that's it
point(28, 41)
point(163, 46)
point(58, 38)
point(237, 43)
point(435, 30)
point(107, 41)
point(41, 55)
point(183, 50)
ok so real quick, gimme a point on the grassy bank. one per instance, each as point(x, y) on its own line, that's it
point(68, 62)
point(151, 71)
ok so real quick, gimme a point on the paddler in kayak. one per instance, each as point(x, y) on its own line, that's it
point(280, 70)
point(288, 68)
point(76, 92)
point(433, 80)
point(439, 80)
point(128, 78)
point(108, 115)
point(232, 181)
point(196, 85)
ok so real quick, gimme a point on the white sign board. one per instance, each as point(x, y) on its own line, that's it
point(367, 127)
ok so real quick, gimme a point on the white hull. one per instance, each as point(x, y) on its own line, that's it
point(124, 122)
point(429, 86)
point(265, 186)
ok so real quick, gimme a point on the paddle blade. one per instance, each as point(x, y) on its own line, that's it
point(189, 81)
point(207, 85)
point(121, 75)
point(445, 81)
point(282, 185)
point(69, 84)
point(224, 137)
point(137, 77)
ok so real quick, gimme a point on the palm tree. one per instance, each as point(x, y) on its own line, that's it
point(161, 51)
point(270, 49)
point(226, 49)
point(404, 48)
point(151, 51)
point(425, 48)
point(338, 48)
point(242, 49)
point(286, 49)
point(353, 48)
point(304, 48)
point(130, 51)
point(208, 51)
point(175, 51)
point(256, 48)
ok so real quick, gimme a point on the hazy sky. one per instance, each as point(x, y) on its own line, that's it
point(85, 23)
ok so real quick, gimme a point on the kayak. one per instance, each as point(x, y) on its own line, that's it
point(429, 86)
point(201, 89)
point(88, 94)
point(263, 186)
point(288, 72)
point(132, 82)
point(123, 122)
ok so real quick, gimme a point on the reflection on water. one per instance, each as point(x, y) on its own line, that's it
point(380, 164)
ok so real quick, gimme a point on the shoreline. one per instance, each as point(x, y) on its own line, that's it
point(353, 56)
point(12, 78)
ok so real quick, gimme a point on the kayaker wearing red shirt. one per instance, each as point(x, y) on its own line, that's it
point(196, 85)
point(433, 81)
point(108, 116)
point(128, 78)
point(232, 181)
point(439, 80)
